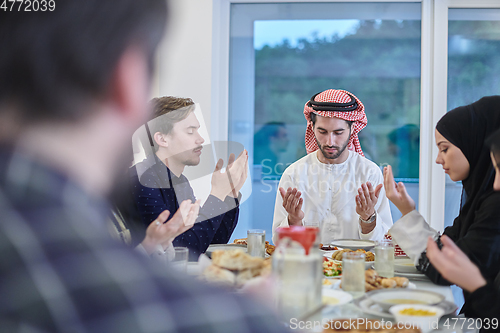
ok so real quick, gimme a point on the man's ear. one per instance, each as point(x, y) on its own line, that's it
point(160, 139)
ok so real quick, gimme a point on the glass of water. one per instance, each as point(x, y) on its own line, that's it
point(353, 273)
point(298, 269)
point(256, 240)
point(179, 263)
point(384, 258)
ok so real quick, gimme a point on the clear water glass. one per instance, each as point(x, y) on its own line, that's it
point(384, 258)
point(256, 240)
point(353, 273)
point(179, 263)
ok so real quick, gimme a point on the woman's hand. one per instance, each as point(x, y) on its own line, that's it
point(454, 265)
point(397, 192)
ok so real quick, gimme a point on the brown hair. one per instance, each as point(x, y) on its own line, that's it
point(164, 118)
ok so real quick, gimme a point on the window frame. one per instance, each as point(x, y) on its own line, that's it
point(434, 71)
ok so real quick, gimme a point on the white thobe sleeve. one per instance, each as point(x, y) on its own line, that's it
point(411, 232)
point(280, 218)
point(382, 211)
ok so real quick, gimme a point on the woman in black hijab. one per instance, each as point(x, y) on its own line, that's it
point(460, 137)
point(456, 267)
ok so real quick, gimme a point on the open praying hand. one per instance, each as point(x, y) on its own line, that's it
point(396, 192)
point(367, 199)
point(161, 233)
point(231, 181)
point(292, 202)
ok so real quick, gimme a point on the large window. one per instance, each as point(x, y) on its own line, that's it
point(282, 54)
point(473, 71)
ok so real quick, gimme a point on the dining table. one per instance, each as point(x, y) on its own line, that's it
point(362, 307)
point(351, 310)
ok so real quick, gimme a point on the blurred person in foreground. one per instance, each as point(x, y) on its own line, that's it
point(160, 184)
point(334, 186)
point(460, 138)
point(456, 267)
point(74, 86)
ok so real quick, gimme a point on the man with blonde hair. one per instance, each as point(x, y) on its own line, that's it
point(162, 186)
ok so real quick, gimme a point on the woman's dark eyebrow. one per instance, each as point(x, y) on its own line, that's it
point(440, 142)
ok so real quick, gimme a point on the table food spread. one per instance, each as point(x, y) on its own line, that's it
point(232, 267)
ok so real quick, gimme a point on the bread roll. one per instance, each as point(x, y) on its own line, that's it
point(371, 276)
point(401, 282)
point(235, 260)
point(219, 276)
point(388, 283)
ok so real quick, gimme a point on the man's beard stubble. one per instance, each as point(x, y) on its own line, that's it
point(192, 160)
point(339, 150)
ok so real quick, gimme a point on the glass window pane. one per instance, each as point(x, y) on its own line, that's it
point(473, 71)
point(282, 54)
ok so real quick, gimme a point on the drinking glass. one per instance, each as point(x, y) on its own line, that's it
point(179, 263)
point(384, 258)
point(353, 273)
point(256, 240)
point(298, 268)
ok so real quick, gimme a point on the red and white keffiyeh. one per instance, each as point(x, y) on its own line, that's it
point(336, 96)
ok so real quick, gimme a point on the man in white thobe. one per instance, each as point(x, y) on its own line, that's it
point(334, 187)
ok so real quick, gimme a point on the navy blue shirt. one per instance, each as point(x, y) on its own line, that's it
point(159, 189)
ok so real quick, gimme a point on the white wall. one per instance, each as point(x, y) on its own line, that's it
point(184, 65)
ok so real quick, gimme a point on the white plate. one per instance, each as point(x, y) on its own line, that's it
point(213, 247)
point(370, 307)
point(340, 295)
point(225, 247)
point(354, 244)
point(413, 276)
point(385, 297)
point(336, 285)
point(405, 266)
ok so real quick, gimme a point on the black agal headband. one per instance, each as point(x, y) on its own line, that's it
point(329, 106)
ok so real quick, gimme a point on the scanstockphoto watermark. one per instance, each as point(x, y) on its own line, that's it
point(353, 324)
point(319, 184)
point(318, 178)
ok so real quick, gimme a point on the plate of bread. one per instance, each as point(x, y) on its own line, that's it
point(234, 267)
point(337, 256)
